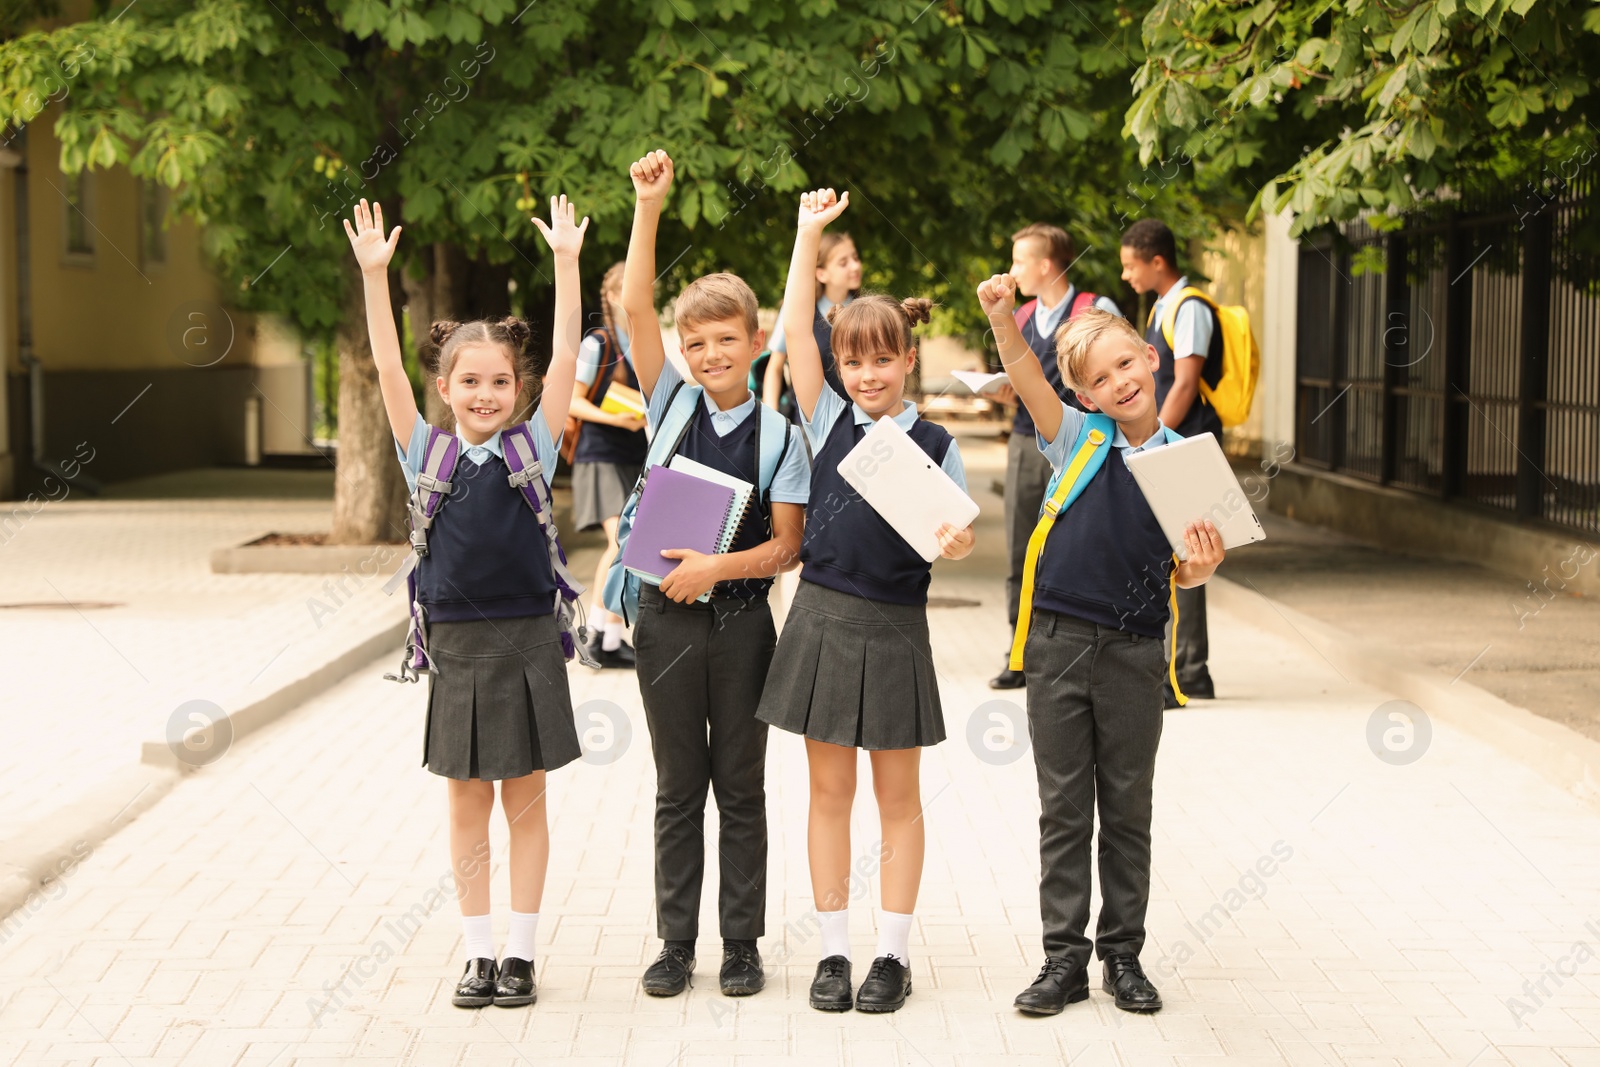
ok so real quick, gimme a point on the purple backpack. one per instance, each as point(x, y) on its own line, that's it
point(433, 487)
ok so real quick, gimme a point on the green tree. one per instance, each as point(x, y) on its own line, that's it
point(1331, 108)
point(952, 123)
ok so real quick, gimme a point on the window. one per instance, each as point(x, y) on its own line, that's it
point(80, 203)
point(152, 209)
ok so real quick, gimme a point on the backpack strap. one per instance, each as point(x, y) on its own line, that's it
point(1170, 319)
point(670, 434)
point(772, 447)
point(527, 477)
point(433, 484)
point(1081, 301)
point(1089, 453)
point(1025, 312)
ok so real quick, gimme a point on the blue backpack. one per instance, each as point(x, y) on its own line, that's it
point(439, 458)
point(621, 591)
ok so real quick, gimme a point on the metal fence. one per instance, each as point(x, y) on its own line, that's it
point(1459, 354)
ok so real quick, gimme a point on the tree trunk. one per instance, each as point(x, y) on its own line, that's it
point(368, 487)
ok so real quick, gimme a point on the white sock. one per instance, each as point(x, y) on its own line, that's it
point(477, 931)
point(894, 934)
point(524, 931)
point(835, 933)
point(613, 635)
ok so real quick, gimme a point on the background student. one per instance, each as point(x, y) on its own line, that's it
point(1150, 264)
point(1041, 255)
point(610, 447)
point(838, 282)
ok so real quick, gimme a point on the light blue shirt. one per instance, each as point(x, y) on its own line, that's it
point(830, 405)
point(790, 485)
point(1046, 319)
point(1191, 330)
point(1059, 453)
point(589, 354)
point(778, 342)
point(413, 454)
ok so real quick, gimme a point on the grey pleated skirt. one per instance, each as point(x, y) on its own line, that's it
point(599, 490)
point(498, 703)
point(852, 671)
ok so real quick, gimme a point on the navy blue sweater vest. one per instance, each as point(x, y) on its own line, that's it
point(734, 454)
point(599, 443)
point(1106, 559)
point(487, 557)
point(847, 545)
point(1044, 346)
point(1202, 417)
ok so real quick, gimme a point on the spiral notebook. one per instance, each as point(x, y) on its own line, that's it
point(742, 492)
point(679, 509)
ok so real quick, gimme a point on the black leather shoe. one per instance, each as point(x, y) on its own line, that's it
point(886, 988)
point(1008, 679)
point(741, 969)
point(831, 989)
point(620, 658)
point(1125, 979)
point(476, 988)
point(669, 974)
point(1169, 699)
point(1059, 983)
point(515, 986)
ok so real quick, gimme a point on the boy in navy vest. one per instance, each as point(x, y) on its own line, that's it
point(1150, 265)
point(1040, 256)
point(702, 666)
point(1092, 656)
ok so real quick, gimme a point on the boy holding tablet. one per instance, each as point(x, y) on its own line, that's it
point(1089, 644)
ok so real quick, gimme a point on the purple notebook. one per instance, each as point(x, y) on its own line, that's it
point(676, 510)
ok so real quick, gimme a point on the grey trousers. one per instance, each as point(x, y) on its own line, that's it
point(1027, 474)
point(701, 669)
point(1094, 718)
point(1193, 647)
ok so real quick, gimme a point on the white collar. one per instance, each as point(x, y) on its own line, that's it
point(492, 444)
point(905, 419)
point(738, 413)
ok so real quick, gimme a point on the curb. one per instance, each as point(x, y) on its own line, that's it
point(281, 701)
point(47, 851)
point(1562, 755)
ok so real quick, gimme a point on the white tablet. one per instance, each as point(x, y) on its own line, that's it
point(1189, 481)
point(906, 487)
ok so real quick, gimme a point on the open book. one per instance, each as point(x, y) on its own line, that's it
point(980, 382)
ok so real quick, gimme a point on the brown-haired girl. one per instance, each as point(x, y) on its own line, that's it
point(607, 457)
point(498, 704)
point(853, 668)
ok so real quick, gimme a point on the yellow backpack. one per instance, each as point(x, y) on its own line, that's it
point(1241, 357)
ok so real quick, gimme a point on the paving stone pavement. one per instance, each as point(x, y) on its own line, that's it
point(1313, 904)
point(85, 685)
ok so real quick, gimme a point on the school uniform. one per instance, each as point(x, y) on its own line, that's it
point(1027, 473)
point(1194, 336)
point(855, 666)
point(1094, 667)
point(498, 702)
point(606, 461)
point(822, 333)
point(701, 669)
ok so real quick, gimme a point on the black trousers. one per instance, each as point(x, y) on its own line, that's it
point(1094, 717)
point(1027, 475)
point(701, 670)
point(1193, 647)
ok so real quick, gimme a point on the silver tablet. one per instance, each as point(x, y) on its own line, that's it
point(1190, 481)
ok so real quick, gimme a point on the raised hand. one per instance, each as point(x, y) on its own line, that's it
point(563, 237)
point(372, 251)
point(997, 294)
point(821, 207)
point(652, 176)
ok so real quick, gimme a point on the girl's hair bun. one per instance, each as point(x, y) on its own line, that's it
point(833, 313)
point(517, 332)
point(917, 309)
point(440, 331)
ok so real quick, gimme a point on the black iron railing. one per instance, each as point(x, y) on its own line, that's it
point(1458, 354)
